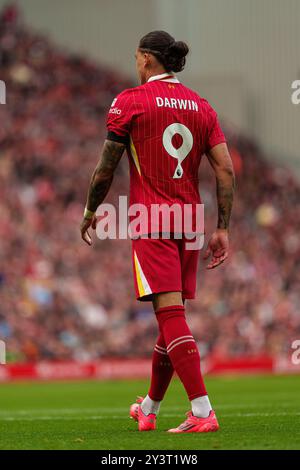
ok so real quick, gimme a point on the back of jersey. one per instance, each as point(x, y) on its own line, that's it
point(167, 128)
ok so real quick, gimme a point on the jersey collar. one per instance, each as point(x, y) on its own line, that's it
point(166, 77)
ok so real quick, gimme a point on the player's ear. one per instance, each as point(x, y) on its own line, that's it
point(147, 59)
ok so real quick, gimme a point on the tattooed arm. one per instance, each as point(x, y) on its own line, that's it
point(221, 163)
point(103, 174)
point(100, 183)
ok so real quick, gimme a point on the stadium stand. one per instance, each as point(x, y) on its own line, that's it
point(62, 300)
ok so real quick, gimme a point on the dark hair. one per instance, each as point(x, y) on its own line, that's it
point(170, 53)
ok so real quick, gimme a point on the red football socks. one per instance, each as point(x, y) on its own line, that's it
point(162, 371)
point(181, 349)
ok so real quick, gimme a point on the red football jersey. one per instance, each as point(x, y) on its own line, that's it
point(168, 127)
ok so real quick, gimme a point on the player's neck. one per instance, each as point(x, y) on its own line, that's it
point(154, 72)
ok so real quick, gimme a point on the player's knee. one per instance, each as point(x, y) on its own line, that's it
point(167, 299)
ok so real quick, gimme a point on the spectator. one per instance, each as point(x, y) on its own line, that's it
point(62, 300)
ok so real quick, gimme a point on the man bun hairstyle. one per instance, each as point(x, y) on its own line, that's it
point(170, 53)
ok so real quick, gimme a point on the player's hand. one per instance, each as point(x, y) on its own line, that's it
point(84, 226)
point(217, 248)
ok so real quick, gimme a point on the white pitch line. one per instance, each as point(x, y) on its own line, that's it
point(63, 410)
point(168, 415)
point(113, 410)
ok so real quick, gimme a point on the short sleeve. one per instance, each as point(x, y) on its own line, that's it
point(119, 117)
point(215, 134)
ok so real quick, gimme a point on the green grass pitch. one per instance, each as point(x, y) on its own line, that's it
point(254, 412)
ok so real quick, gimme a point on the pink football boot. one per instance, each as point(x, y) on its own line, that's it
point(146, 423)
point(194, 424)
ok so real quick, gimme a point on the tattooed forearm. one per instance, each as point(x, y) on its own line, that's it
point(103, 174)
point(225, 190)
point(220, 160)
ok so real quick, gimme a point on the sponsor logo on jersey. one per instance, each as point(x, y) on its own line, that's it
point(114, 111)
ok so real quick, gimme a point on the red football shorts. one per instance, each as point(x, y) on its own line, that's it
point(164, 266)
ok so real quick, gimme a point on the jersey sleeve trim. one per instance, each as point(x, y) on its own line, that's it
point(217, 141)
point(122, 139)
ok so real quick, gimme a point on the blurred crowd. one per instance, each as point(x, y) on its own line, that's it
point(60, 299)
